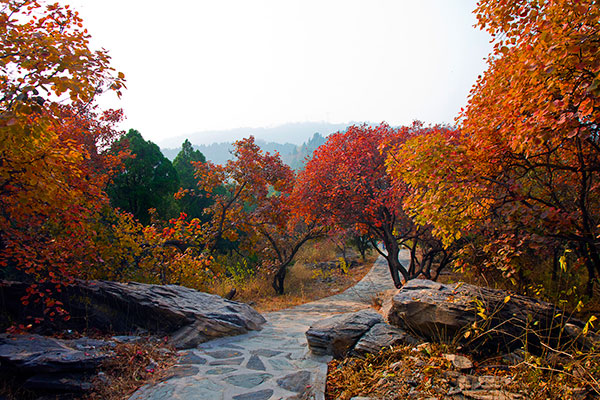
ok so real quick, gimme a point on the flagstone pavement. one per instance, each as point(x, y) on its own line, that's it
point(270, 364)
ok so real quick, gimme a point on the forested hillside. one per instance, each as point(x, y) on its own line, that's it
point(292, 155)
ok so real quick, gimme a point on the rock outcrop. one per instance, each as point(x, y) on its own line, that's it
point(337, 335)
point(439, 312)
point(187, 316)
point(380, 336)
point(354, 333)
point(483, 321)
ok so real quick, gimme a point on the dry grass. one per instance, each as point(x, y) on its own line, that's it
point(407, 372)
point(131, 366)
point(304, 283)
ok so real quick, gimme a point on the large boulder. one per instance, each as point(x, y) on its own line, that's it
point(188, 316)
point(437, 312)
point(337, 335)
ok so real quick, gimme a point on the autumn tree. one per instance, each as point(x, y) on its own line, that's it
point(346, 184)
point(524, 172)
point(147, 180)
point(53, 142)
point(252, 204)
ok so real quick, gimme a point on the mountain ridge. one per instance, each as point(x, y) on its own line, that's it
point(294, 133)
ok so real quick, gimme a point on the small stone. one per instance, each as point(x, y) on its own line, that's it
point(247, 381)
point(220, 371)
point(280, 363)
point(492, 382)
point(192, 358)
point(453, 391)
point(181, 371)
point(296, 382)
point(459, 362)
point(224, 354)
point(232, 361)
point(265, 352)
point(362, 398)
point(260, 395)
point(468, 382)
point(255, 363)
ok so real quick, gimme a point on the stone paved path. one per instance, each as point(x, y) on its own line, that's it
point(273, 363)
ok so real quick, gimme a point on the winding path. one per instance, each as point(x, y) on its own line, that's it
point(273, 363)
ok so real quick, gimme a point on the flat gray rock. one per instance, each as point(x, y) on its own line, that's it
point(337, 335)
point(192, 358)
point(181, 371)
point(260, 395)
point(247, 381)
point(255, 363)
point(265, 352)
point(296, 382)
point(224, 353)
point(220, 371)
point(229, 361)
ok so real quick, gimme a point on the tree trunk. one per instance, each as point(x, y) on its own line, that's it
point(279, 278)
point(396, 268)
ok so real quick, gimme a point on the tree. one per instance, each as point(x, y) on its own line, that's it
point(53, 143)
point(148, 180)
point(191, 203)
point(525, 169)
point(346, 184)
point(184, 167)
point(252, 204)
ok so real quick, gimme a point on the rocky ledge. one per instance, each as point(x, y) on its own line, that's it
point(188, 317)
point(424, 310)
point(46, 364)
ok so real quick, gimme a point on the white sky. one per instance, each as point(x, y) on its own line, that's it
point(196, 65)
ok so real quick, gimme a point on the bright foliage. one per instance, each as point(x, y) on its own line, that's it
point(346, 185)
point(252, 206)
point(131, 251)
point(523, 174)
point(53, 159)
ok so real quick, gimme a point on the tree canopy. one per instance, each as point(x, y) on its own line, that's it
point(53, 142)
point(147, 180)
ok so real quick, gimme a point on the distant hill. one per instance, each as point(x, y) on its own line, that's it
point(291, 154)
point(294, 133)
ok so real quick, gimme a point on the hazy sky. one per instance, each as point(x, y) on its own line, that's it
point(202, 65)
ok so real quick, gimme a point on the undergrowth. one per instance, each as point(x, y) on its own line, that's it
point(423, 372)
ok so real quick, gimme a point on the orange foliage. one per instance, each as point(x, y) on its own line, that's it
point(53, 155)
point(523, 174)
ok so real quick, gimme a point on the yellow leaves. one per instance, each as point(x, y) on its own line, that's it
point(589, 324)
point(50, 51)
